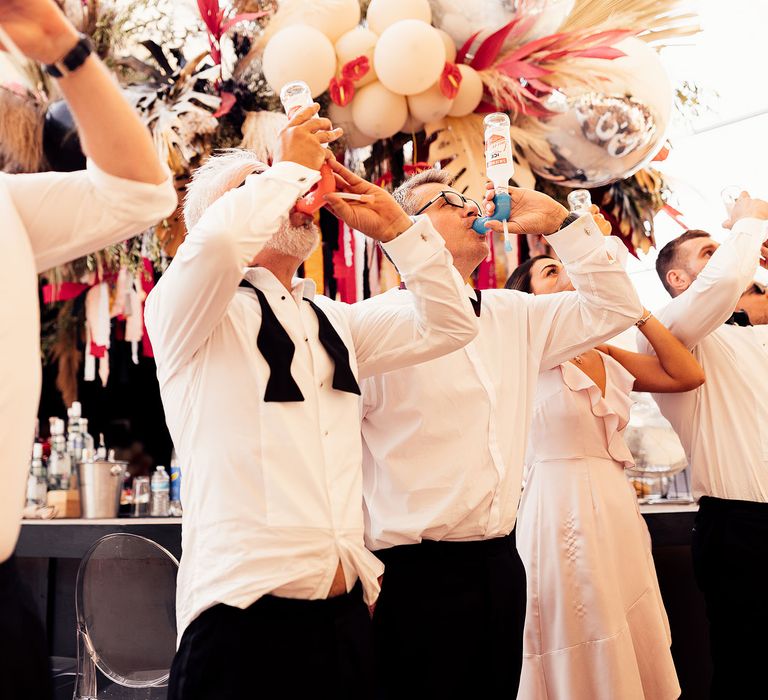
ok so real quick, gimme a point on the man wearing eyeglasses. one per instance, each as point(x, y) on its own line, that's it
point(444, 445)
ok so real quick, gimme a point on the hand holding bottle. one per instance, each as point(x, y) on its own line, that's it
point(530, 212)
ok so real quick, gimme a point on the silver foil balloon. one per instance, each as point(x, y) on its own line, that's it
point(602, 137)
point(463, 18)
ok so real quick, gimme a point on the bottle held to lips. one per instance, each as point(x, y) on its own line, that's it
point(499, 165)
point(295, 96)
point(579, 202)
point(729, 195)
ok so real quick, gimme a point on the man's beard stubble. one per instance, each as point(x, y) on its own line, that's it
point(296, 241)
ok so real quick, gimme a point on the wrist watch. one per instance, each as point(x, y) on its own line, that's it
point(73, 60)
point(568, 220)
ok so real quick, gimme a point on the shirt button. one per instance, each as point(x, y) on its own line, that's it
point(325, 433)
point(283, 297)
point(306, 339)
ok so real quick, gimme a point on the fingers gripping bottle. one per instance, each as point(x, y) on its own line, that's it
point(499, 168)
point(296, 96)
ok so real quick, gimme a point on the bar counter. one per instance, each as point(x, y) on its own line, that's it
point(49, 552)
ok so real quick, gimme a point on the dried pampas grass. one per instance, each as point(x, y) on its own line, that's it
point(260, 133)
point(21, 132)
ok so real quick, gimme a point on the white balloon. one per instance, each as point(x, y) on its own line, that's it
point(358, 42)
point(299, 52)
point(383, 13)
point(331, 17)
point(342, 116)
point(450, 47)
point(430, 105)
point(379, 112)
point(409, 57)
point(470, 92)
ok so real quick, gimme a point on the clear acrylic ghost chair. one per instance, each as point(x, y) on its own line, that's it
point(125, 601)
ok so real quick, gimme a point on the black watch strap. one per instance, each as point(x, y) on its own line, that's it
point(73, 60)
point(568, 220)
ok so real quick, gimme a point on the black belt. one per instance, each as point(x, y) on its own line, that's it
point(448, 550)
point(731, 505)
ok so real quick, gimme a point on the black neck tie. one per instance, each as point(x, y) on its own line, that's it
point(278, 350)
point(739, 318)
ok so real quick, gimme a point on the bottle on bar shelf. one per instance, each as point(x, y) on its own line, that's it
point(74, 434)
point(59, 462)
point(101, 451)
point(175, 510)
point(89, 447)
point(37, 482)
point(160, 487)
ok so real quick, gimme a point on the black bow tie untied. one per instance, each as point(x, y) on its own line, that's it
point(278, 350)
point(739, 318)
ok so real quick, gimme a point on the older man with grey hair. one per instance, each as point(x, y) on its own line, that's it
point(444, 444)
point(259, 379)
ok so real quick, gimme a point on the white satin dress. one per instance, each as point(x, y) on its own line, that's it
point(595, 628)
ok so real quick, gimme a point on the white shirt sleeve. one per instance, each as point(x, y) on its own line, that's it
point(605, 301)
point(192, 296)
point(712, 297)
point(440, 319)
point(67, 215)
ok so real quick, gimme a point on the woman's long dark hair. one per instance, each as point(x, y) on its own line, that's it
point(520, 279)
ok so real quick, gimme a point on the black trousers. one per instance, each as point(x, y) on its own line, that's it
point(277, 648)
point(449, 620)
point(24, 668)
point(730, 559)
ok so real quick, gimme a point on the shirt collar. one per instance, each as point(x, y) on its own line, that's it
point(263, 279)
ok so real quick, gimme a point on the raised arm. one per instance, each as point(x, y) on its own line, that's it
point(440, 319)
point(605, 301)
point(673, 368)
point(192, 296)
point(110, 131)
point(712, 296)
point(126, 188)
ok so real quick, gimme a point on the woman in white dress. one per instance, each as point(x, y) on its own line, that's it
point(595, 628)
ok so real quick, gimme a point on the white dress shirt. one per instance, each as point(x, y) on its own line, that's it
point(272, 492)
point(444, 442)
point(47, 219)
point(723, 425)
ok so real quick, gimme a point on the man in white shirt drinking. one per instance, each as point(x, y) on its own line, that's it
point(444, 444)
point(723, 426)
point(258, 377)
point(47, 219)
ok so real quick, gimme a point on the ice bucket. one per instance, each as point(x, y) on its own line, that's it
point(101, 482)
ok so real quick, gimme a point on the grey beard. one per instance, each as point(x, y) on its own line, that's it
point(296, 241)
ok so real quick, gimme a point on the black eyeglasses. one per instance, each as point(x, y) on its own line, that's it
point(451, 198)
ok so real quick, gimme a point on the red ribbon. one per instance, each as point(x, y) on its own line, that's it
point(450, 80)
point(63, 292)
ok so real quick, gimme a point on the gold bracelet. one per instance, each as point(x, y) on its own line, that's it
point(643, 320)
